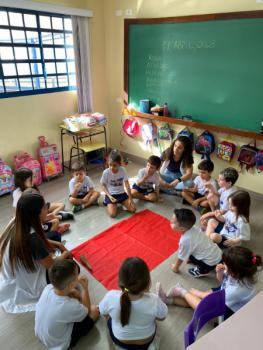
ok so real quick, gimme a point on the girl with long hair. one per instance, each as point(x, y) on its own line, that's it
point(133, 311)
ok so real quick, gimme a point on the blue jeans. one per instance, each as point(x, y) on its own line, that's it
point(168, 176)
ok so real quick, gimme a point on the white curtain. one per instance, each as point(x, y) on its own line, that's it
point(81, 40)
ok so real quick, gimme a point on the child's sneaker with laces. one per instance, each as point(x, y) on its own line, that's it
point(77, 208)
point(195, 272)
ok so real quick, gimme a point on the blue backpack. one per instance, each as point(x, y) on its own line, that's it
point(205, 144)
point(186, 132)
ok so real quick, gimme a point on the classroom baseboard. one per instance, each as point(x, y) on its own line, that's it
point(140, 160)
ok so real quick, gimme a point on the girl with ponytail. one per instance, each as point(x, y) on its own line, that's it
point(133, 311)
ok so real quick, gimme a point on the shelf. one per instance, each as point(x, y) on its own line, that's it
point(199, 125)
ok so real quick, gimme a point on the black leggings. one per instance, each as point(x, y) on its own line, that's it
point(127, 346)
point(80, 329)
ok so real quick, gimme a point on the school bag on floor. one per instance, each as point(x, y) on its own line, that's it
point(25, 160)
point(205, 144)
point(247, 156)
point(259, 161)
point(6, 178)
point(186, 132)
point(225, 150)
point(49, 159)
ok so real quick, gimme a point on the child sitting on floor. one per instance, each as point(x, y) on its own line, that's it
point(23, 180)
point(236, 222)
point(113, 181)
point(194, 246)
point(132, 312)
point(81, 189)
point(63, 313)
point(219, 199)
point(197, 195)
point(237, 277)
point(148, 181)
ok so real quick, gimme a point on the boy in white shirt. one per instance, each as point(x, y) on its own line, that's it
point(194, 246)
point(81, 189)
point(148, 181)
point(197, 195)
point(218, 200)
point(63, 314)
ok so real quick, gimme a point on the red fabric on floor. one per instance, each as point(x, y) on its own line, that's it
point(146, 234)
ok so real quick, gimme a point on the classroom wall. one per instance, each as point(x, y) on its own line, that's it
point(23, 119)
point(114, 39)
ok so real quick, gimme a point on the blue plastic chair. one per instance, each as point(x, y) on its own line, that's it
point(210, 307)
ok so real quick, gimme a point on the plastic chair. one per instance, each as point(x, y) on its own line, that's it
point(210, 307)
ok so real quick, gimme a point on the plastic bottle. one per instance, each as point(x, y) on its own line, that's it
point(165, 110)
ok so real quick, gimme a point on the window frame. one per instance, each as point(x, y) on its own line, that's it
point(41, 60)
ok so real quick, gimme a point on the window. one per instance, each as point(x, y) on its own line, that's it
point(36, 53)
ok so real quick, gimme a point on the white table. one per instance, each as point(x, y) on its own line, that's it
point(242, 331)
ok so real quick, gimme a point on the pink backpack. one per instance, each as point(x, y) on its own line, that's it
point(131, 127)
point(27, 161)
point(6, 178)
point(49, 159)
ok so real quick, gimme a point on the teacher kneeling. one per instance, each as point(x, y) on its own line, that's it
point(177, 168)
point(25, 256)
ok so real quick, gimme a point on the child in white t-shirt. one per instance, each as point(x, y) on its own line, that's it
point(63, 313)
point(148, 181)
point(236, 222)
point(113, 181)
point(194, 246)
point(197, 195)
point(23, 179)
point(237, 277)
point(81, 189)
point(218, 200)
point(132, 312)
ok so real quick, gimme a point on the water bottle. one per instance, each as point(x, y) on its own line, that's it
point(165, 110)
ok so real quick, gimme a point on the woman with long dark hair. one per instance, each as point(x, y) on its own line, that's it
point(177, 168)
point(25, 256)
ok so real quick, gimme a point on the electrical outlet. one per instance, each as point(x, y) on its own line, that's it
point(118, 13)
point(128, 12)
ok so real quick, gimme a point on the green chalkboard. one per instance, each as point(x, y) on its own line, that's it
point(211, 69)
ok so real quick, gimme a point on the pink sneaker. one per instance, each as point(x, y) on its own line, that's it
point(176, 291)
point(161, 294)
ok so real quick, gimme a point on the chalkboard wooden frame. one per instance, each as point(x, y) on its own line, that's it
point(192, 18)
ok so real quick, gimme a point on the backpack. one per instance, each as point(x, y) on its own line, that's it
point(27, 161)
point(186, 132)
point(49, 159)
point(165, 133)
point(6, 178)
point(149, 133)
point(131, 127)
point(225, 150)
point(259, 161)
point(205, 144)
point(247, 156)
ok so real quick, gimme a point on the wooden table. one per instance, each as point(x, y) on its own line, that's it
point(242, 331)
